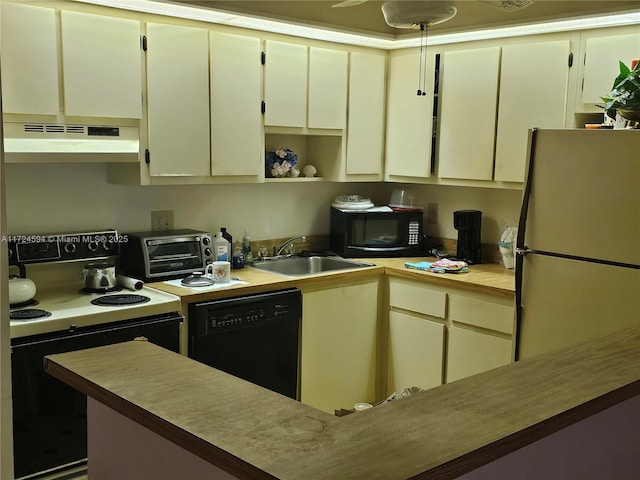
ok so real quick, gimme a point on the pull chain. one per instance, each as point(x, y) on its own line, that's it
point(420, 67)
point(424, 63)
point(422, 72)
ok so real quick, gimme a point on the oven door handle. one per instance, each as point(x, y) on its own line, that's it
point(164, 241)
point(176, 256)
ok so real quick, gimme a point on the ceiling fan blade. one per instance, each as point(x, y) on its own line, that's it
point(348, 3)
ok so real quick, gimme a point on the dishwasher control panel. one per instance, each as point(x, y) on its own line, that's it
point(241, 312)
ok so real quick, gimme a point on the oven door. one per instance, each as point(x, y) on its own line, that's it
point(49, 417)
point(173, 256)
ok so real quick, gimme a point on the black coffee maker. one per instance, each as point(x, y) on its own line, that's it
point(468, 223)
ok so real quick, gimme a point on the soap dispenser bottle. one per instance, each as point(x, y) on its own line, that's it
point(221, 248)
point(246, 249)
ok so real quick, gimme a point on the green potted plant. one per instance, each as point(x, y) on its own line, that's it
point(624, 97)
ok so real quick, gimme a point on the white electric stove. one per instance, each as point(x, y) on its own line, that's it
point(67, 307)
point(49, 418)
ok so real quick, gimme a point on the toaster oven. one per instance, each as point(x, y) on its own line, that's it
point(165, 254)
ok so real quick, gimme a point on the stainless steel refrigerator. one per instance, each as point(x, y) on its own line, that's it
point(578, 245)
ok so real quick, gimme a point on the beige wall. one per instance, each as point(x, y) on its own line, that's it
point(65, 198)
point(6, 424)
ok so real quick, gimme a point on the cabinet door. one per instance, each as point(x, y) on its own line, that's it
point(327, 88)
point(29, 60)
point(285, 84)
point(101, 59)
point(338, 348)
point(236, 121)
point(178, 100)
point(468, 113)
point(365, 130)
point(470, 352)
point(533, 93)
point(416, 347)
point(601, 63)
point(409, 118)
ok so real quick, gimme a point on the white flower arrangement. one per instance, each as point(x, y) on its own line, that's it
point(279, 162)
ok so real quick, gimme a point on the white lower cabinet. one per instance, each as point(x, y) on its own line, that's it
point(339, 346)
point(415, 355)
point(470, 352)
point(441, 334)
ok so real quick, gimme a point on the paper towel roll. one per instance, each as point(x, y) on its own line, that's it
point(130, 283)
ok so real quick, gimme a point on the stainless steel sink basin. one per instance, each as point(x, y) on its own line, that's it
point(296, 266)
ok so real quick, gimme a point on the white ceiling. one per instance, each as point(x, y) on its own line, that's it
point(367, 17)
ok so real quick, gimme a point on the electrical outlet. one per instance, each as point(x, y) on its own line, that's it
point(432, 213)
point(162, 220)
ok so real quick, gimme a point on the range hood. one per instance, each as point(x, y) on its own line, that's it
point(58, 142)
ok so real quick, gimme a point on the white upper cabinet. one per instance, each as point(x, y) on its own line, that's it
point(285, 84)
point(102, 66)
point(305, 86)
point(533, 93)
point(491, 97)
point(327, 88)
point(601, 63)
point(468, 113)
point(178, 100)
point(236, 119)
point(365, 130)
point(29, 60)
point(100, 63)
point(409, 118)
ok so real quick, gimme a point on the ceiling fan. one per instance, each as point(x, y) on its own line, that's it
point(422, 14)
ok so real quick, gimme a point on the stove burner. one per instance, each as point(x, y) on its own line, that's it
point(29, 303)
point(102, 291)
point(119, 300)
point(28, 314)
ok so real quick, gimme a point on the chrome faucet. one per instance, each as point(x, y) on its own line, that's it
point(289, 243)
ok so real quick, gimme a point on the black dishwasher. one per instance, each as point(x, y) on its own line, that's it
point(253, 337)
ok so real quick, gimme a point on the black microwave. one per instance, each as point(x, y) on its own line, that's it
point(375, 233)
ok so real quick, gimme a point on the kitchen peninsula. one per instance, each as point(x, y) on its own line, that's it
point(238, 430)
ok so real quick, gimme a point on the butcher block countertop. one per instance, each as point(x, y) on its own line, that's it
point(439, 433)
point(489, 278)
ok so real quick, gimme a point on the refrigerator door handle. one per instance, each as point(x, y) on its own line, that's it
point(523, 251)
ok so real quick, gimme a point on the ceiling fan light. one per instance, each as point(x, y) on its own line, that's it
point(410, 14)
point(509, 5)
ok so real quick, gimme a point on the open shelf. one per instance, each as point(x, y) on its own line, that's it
point(325, 152)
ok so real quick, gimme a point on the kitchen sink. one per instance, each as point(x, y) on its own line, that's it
point(295, 266)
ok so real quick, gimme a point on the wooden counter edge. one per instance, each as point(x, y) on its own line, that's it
point(179, 436)
point(517, 440)
point(464, 462)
